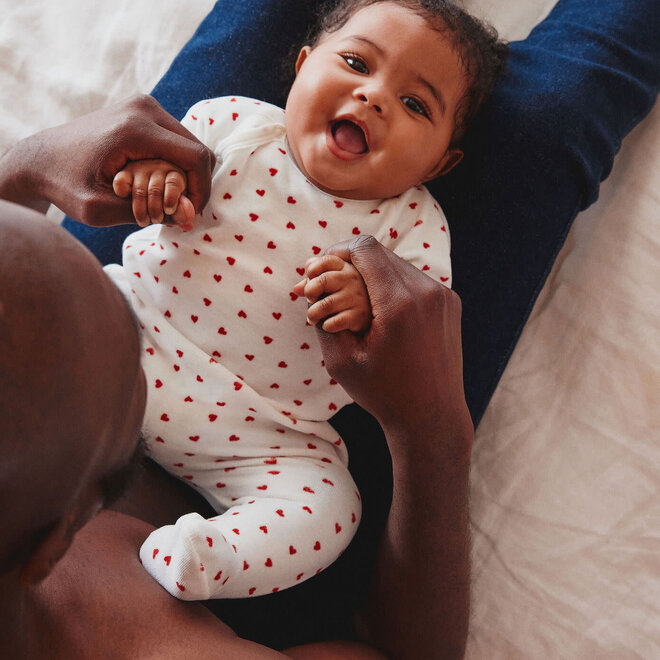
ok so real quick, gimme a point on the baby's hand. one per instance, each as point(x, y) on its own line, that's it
point(157, 188)
point(337, 295)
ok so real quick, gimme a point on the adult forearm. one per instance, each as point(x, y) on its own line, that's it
point(418, 606)
point(20, 175)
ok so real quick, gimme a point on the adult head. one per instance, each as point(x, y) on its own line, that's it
point(72, 391)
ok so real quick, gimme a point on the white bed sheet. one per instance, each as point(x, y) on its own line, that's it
point(565, 506)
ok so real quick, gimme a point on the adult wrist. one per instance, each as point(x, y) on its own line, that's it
point(21, 175)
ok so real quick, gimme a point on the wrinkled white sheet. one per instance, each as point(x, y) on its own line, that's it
point(565, 507)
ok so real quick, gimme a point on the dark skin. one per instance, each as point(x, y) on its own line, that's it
point(405, 370)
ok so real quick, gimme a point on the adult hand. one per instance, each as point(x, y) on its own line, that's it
point(73, 165)
point(407, 369)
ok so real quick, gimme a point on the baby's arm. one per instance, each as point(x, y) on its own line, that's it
point(157, 188)
point(337, 295)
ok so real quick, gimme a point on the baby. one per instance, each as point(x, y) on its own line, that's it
point(238, 394)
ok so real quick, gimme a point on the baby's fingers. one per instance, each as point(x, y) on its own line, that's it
point(122, 183)
point(317, 265)
point(184, 214)
point(155, 196)
point(175, 185)
point(325, 307)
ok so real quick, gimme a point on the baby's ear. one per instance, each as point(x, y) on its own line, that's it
point(302, 56)
point(447, 163)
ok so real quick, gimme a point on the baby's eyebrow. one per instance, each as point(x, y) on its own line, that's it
point(437, 95)
point(369, 42)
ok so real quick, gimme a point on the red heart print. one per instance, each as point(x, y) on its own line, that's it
point(164, 417)
point(338, 204)
point(292, 550)
point(271, 245)
point(306, 508)
point(272, 171)
point(233, 173)
point(207, 238)
point(249, 418)
point(261, 193)
point(268, 270)
point(181, 587)
point(293, 296)
point(234, 438)
point(337, 528)
point(426, 267)
point(211, 120)
point(308, 381)
point(150, 351)
point(159, 439)
point(217, 277)
point(249, 357)
point(270, 461)
point(297, 402)
point(231, 261)
point(237, 386)
point(426, 246)
point(323, 223)
point(304, 347)
point(280, 513)
point(333, 381)
point(245, 565)
point(167, 559)
point(268, 563)
point(226, 196)
point(254, 217)
point(311, 445)
point(222, 331)
point(375, 211)
point(316, 249)
point(252, 590)
point(332, 406)
point(317, 546)
point(264, 529)
point(307, 489)
point(207, 302)
point(163, 262)
point(290, 200)
point(282, 364)
point(158, 383)
point(179, 352)
point(299, 576)
point(199, 379)
point(327, 481)
point(300, 271)
point(209, 540)
point(353, 518)
point(238, 237)
point(218, 575)
point(194, 438)
point(263, 487)
point(248, 289)
point(155, 553)
point(281, 150)
point(419, 222)
point(176, 367)
point(186, 273)
point(443, 279)
point(212, 417)
point(393, 233)
point(356, 231)
point(242, 314)
point(193, 116)
point(175, 290)
point(413, 205)
point(290, 225)
point(443, 228)
point(236, 531)
point(222, 403)
point(274, 386)
point(267, 340)
point(167, 314)
point(220, 485)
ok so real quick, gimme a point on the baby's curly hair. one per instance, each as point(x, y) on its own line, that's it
point(477, 44)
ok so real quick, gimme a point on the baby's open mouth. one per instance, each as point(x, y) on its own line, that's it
point(349, 137)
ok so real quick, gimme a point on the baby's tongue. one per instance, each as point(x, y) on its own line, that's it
point(350, 137)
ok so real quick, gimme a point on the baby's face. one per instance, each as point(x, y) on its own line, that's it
point(371, 112)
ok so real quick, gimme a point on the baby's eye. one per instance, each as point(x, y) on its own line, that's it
point(415, 105)
point(355, 62)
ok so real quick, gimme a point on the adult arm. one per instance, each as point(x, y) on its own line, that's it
point(73, 165)
point(407, 372)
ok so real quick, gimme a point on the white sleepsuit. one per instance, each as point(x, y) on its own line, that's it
point(238, 396)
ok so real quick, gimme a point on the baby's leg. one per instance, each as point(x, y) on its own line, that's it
point(291, 518)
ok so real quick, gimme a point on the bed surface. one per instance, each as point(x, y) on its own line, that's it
point(565, 505)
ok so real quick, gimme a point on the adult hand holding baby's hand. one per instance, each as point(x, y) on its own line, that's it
point(77, 161)
point(407, 369)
